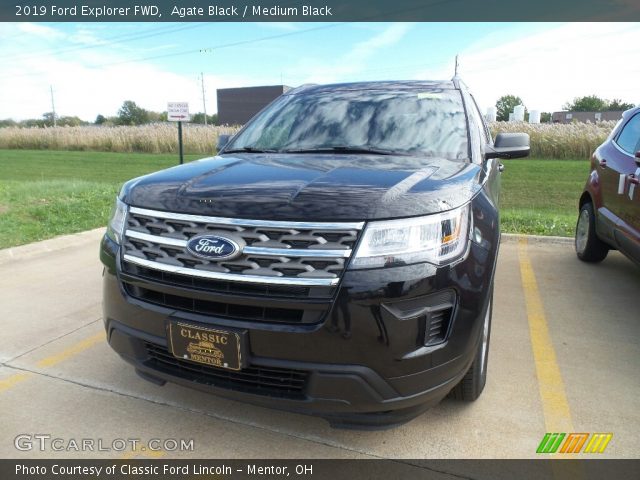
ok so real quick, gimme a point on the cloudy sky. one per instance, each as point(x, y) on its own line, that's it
point(94, 67)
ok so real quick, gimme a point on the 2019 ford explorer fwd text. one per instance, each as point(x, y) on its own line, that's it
point(336, 257)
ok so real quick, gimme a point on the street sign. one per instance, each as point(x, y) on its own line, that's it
point(178, 112)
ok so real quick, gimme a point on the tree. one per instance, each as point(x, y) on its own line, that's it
point(589, 103)
point(617, 105)
point(48, 118)
point(199, 118)
point(154, 117)
point(132, 114)
point(505, 106)
point(71, 122)
point(545, 117)
point(100, 119)
point(33, 122)
point(593, 103)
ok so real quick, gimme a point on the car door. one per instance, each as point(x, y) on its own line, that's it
point(608, 161)
point(627, 204)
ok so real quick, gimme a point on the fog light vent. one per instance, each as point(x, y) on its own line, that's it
point(432, 314)
point(437, 326)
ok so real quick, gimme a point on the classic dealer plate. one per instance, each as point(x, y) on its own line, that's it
point(210, 346)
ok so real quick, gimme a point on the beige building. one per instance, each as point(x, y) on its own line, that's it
point(568, 117)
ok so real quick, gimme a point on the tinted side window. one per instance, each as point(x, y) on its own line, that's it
point(629, 138)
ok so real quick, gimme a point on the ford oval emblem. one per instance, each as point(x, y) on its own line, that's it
point(213, 247)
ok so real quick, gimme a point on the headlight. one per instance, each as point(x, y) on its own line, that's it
point(115, 228)
point(439, 239)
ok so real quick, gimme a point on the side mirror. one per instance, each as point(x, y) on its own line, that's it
point(222, 141)
point(508, 145)
point(638, 156)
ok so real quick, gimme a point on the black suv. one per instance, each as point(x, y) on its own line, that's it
point(336, 257)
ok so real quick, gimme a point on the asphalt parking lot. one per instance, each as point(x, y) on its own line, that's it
point(565, 351)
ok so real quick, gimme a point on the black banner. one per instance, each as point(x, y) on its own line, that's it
point(557, 469)
point(318, 10)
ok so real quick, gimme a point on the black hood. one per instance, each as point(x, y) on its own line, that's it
point(307, 187)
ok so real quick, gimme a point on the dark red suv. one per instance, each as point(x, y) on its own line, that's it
point(610, 204)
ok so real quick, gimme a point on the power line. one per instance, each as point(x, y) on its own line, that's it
point(191, 52)
point(106, 42)
point(377, 15)
point(224, 45)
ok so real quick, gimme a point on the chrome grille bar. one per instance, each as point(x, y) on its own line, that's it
point(247, 223)
point(257, 251)
point(233, 277)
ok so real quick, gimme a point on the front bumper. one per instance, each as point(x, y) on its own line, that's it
point(343, 394)
point(365, 362)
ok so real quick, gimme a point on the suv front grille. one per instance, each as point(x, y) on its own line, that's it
point(269, 381)
point(276, 253)
point(288, 272)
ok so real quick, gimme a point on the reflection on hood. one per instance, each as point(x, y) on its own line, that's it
point(322, 187)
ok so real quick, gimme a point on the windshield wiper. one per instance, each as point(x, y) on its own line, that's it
point(250, 150)
point(344, 149)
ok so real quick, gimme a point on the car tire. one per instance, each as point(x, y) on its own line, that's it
point(589, 247)
point(473, 382)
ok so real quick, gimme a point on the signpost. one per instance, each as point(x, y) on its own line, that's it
point(178, 112)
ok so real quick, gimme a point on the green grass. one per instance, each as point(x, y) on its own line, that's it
point(540, 197)
point(49, 193)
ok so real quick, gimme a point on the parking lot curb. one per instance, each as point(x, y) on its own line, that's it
point(514, 237)
point(43, 247)
point(76, 239)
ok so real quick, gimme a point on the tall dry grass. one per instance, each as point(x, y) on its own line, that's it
point(156, 138)
point(557, 140)
point(562, 141)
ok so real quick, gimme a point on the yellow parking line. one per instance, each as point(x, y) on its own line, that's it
point(555, 407)
point(71, 351)
point(81, 346)
point(557, 415)
point(12, 380)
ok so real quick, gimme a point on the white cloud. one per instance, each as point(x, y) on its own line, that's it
point(549, 68)
point(349, 64)
point(546, 69)
point(40, 30)
point(85, 91)
point(85, 36)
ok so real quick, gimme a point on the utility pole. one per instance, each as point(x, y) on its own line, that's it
point(204, 103)
point(456, 67)
point(53, 107)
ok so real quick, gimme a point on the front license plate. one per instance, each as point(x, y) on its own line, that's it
point(210, 346)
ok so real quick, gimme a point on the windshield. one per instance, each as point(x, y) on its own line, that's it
point(430, 123)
